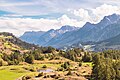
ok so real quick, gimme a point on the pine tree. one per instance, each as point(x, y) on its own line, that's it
point(29, 59)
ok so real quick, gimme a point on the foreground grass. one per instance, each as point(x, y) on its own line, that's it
point(15, 71)
point(8, 75)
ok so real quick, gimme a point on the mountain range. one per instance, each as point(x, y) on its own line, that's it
point(107, 28)
point(111, 43)
point(41, 38)
point(31, 37)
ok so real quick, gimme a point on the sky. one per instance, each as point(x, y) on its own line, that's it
point(19, 16)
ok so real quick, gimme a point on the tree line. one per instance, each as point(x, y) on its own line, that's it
point(106, 65)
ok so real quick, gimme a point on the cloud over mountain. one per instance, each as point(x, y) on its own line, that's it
point(16, 23)
point(96, 14)
point(19, 25)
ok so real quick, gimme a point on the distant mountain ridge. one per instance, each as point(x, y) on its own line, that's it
point(42, 37)
point(111, 43)
point(107, 28)
point(31, 36)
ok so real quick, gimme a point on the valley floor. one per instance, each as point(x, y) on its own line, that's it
point(16, 72)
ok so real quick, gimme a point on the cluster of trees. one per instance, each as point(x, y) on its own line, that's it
point(24, 45)
point(13, 58)
point(77, 54)
point(106, 65)
point(35, 52)
point(45, 52)
point(16, 57)
point(112, 54)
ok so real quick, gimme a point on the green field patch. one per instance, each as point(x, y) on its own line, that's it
point(9, 75)
point(87, 63)
point(15, 71)
point(12, 72)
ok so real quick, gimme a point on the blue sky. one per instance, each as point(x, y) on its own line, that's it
point(18, 16)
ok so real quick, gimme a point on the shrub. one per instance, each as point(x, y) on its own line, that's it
point(60, 69)
point(26, 77)
point(65, 65)
point(29, 59)
point(69, 72)
point(10, 62)
point(80, 64)
point(44, 66)
point(57, 58)
point(40, 74)
point(33, 69)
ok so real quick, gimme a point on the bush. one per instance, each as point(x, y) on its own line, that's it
point(44, 66)
point(33, 69)
point(69, 72)
point(29, 59)
point(10, 62)
point(41, 58)
point(80, 64)
point(26, 77)
point(60, 69)
point(57, 58)
point(65, 65)
point(40, 74)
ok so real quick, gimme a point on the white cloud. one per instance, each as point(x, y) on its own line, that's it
point(65, 20)
point(105, 10)
point(95, 15)
point(3, 4)
point(12, 15)
point(40, 7)
point(18, 26)
point(82, 13)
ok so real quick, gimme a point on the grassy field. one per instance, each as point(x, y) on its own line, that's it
point(15, 71)
point(7, 74)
